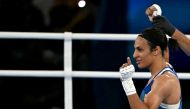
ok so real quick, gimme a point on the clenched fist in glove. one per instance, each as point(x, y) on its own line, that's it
point(154, 13)
point(126, 71)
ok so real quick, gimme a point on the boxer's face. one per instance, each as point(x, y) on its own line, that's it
point(142, 53)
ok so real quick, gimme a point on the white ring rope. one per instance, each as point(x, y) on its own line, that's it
point(78, 74)
point(62, 36)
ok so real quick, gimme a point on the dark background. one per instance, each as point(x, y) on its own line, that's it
point(58, 16)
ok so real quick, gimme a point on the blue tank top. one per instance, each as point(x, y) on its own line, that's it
point(147, 89)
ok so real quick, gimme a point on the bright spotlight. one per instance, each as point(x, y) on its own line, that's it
point(81, 3)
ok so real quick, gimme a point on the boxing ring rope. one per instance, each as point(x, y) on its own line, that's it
point(68, 73)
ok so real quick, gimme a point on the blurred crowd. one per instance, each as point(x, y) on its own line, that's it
point(46, 16)
point(30, 54)
point(41, 16)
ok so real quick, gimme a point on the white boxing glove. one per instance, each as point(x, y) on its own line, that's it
point(126, 79)
point(156, 12)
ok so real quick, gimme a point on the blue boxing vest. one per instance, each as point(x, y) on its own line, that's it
point(147, 89)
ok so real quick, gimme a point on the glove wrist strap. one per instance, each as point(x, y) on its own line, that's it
point(128, 86)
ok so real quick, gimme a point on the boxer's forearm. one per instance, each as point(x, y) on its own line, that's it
point(183, 41)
